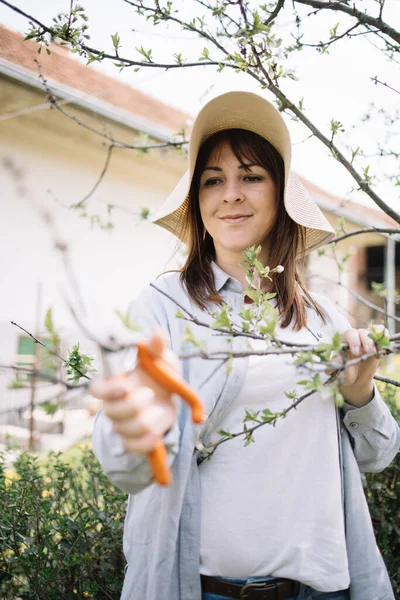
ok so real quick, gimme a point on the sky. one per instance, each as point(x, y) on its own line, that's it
point(335, 86)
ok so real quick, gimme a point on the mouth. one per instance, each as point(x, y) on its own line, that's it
point(235, 219)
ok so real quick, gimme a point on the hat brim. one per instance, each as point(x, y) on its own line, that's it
point(245, 110)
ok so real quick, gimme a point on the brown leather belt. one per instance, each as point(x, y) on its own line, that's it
point(278, 589)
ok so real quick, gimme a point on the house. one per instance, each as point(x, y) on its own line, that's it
point(54, 159)
point(370, 257)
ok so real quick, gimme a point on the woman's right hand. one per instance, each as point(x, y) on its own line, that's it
point(141, 410)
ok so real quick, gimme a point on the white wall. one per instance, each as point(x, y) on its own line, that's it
point(40, 163)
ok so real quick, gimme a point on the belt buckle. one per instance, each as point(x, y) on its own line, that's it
point(262, 585)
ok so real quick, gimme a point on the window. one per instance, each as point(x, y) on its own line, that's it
point(47, 363)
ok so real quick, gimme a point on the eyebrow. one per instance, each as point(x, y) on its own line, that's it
point(246, 166)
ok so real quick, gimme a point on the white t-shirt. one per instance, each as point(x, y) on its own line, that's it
point(274, 507)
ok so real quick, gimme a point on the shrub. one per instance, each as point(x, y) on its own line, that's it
point(383, 493)
point(60, 531)
point(61, 527)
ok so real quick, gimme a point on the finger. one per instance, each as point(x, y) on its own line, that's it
point(336, 359)
point(143, 444)
point(154, 419)
point(352, 338)
point(367, 343)
point(130, 406)
point(112, 388)
point(157, 343)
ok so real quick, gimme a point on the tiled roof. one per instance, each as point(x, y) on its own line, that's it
point(62, 68)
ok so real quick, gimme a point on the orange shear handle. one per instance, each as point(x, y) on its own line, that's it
point(167, 377)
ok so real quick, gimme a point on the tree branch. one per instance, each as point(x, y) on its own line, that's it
point(267, 82)
point(52, 352)
point(212, 447)
point(45, 376)
point(389, 231)
point(357, 296)
point(387, 380)
point(362, 17)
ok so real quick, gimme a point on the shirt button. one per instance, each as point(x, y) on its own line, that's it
point(353, 424)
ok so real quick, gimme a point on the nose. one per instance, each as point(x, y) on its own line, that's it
point(233, 194)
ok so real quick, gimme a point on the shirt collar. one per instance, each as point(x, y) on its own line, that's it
point(222, 279)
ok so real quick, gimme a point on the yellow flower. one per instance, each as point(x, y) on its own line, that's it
point(9, 476)
point(46, 493)
point(86, 595)
point(75, 591)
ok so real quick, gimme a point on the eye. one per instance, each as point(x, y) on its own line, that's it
point(211, 182)
point(252, 178)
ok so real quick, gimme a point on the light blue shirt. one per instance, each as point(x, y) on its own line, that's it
point(162, 526)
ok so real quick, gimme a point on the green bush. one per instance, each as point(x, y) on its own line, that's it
point(383, 494)
point(61, 527)
point(60, 531)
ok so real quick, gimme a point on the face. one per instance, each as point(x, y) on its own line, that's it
point(238, 206)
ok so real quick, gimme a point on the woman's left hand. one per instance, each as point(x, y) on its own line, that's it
point(356, 382)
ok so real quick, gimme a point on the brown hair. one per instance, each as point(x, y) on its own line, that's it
point(286, 237)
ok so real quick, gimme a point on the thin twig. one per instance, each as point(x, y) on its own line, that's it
point(387, 230)
point(351, 10)
point(376, 81)
point(271, 86)
point(387, 380)
point(211, 375)
point(270, 421)
point(356, 295)
point(219, 354)
point(46, 376)
point(99, 180)
point(52, 352)
point(228, 332)
point(52, 98)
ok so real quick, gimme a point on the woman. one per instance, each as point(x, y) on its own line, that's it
point(286, 517)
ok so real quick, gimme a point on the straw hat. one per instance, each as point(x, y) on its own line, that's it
point(245, 110)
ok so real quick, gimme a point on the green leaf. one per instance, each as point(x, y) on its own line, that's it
point(126, 320)
point(225, 433)
point(337, 341)
point(189, 338)
point(380, 340)
point(50, 408)
point(178, 58)
point(116, 41)
point(144, 213)
point(336, 127)
point(339, 398)
point(222, 318)
point(292, 395)
point(93, 57)
point(250, 415)
point(48, 321)
point(333, 31)
point(268, 416)
point(249, 439)
point(146, 53)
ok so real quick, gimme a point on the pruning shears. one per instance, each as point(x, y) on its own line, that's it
point(164, 374)
point(123, 339)
point(116, 351)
